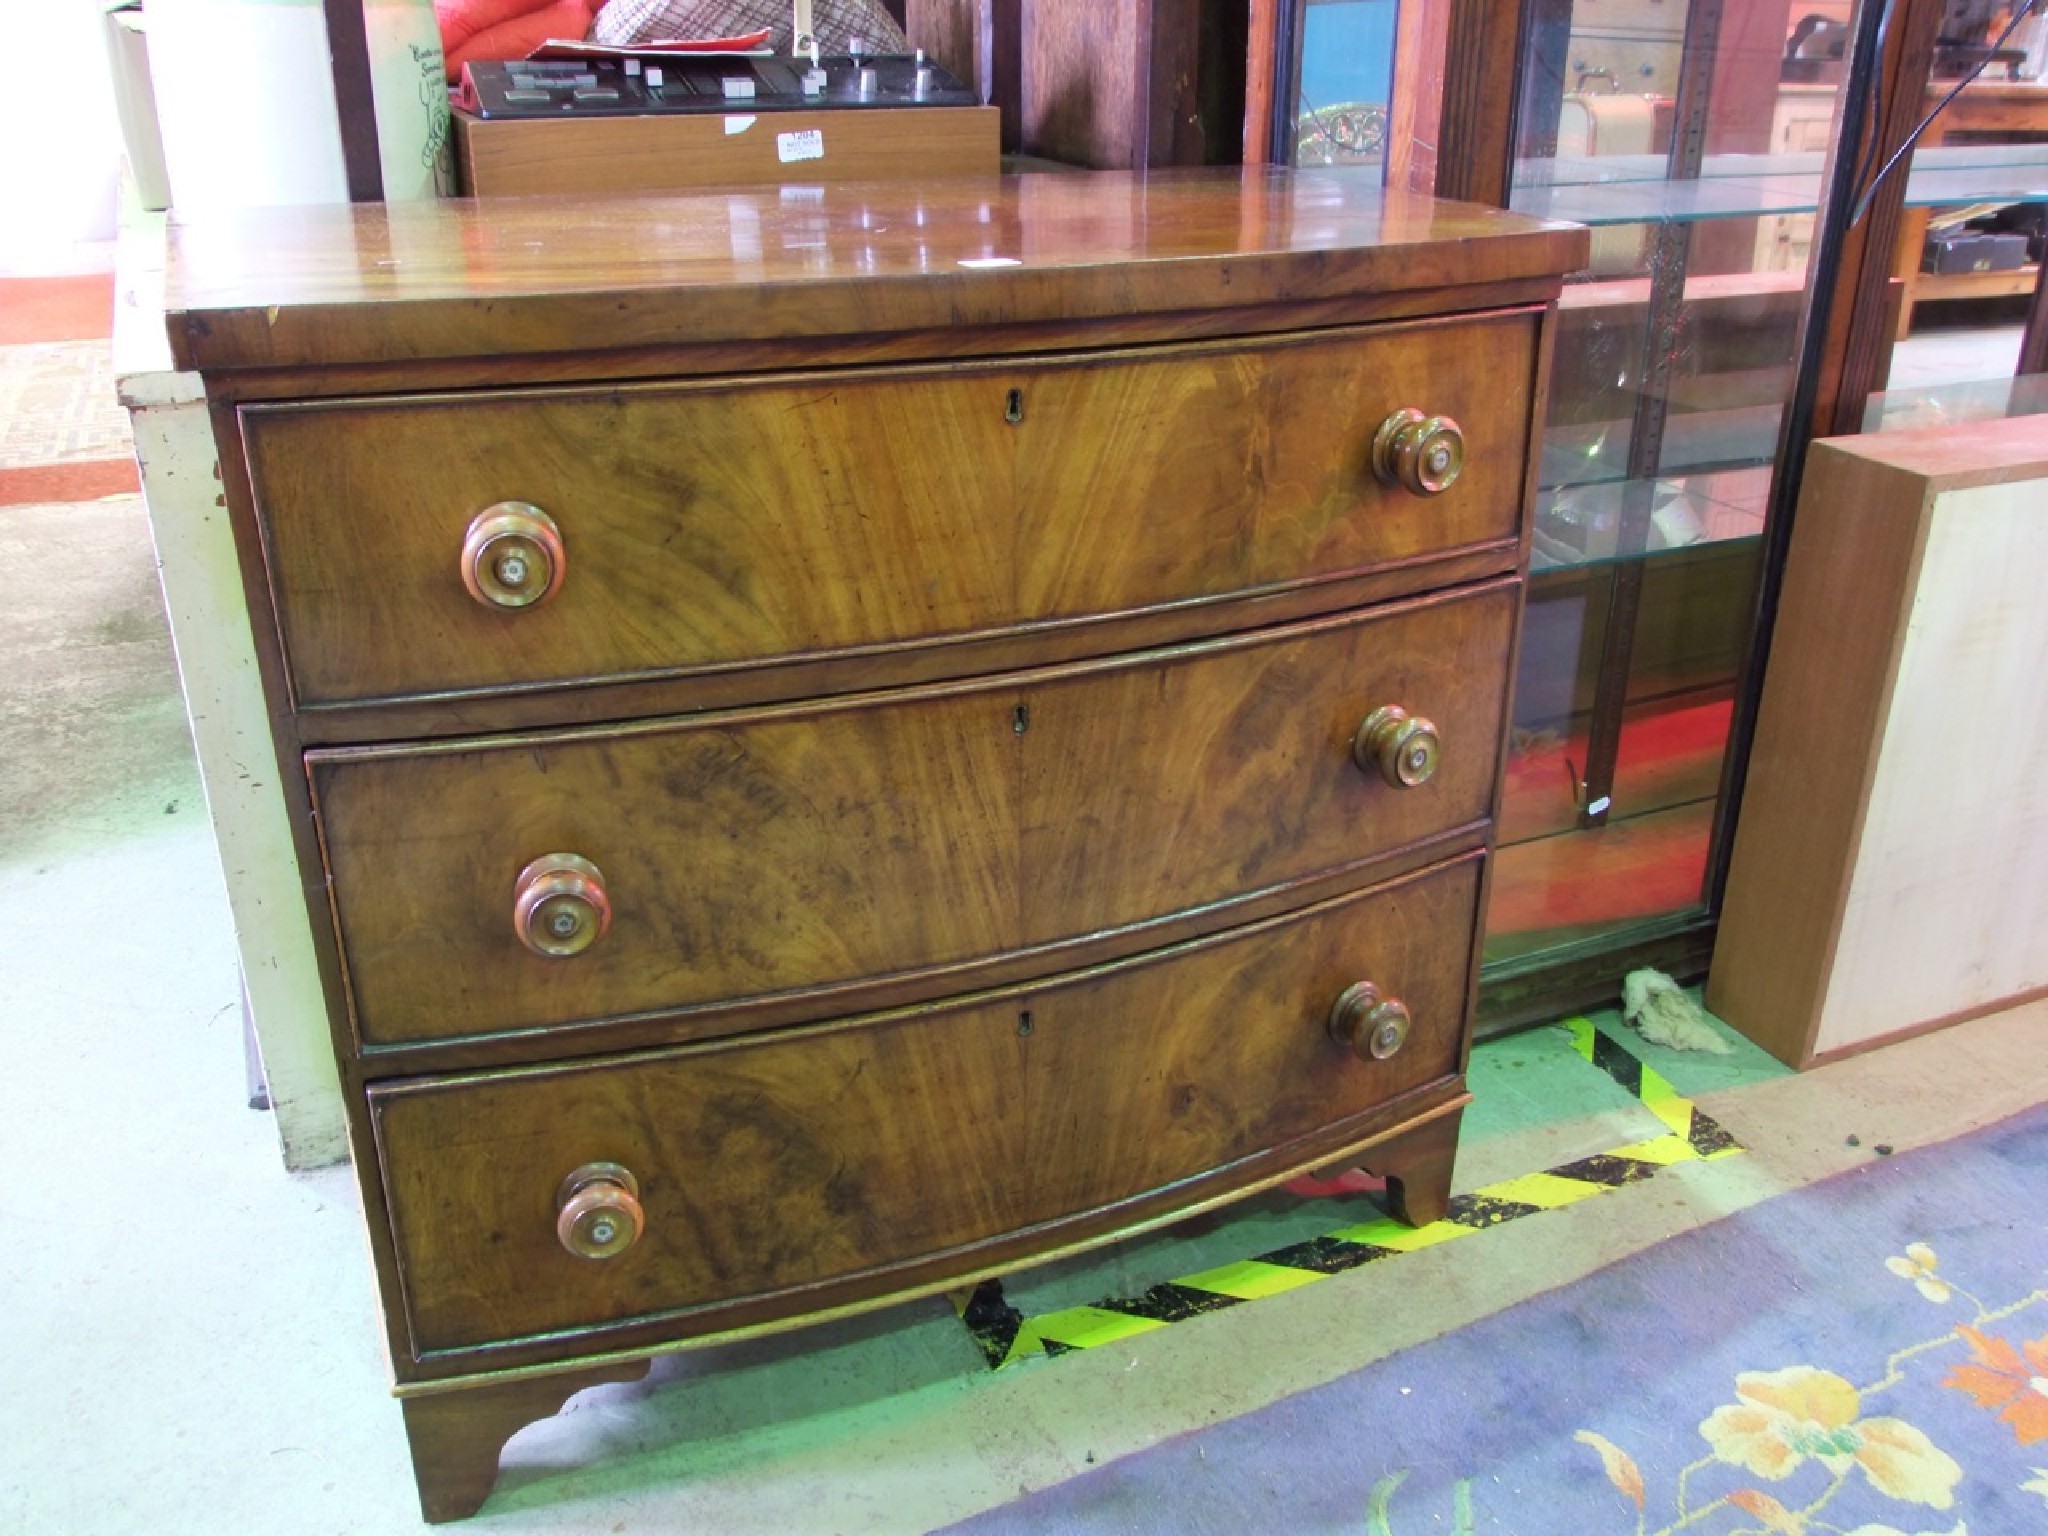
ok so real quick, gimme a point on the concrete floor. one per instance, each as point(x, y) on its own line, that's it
point(187, 1333)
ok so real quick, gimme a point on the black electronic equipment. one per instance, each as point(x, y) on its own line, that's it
point(1973, 250)
point(686, 83)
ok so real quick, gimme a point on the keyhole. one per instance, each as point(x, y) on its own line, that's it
point(1024, 1024)
point(1013, 407)
point(1020, 722)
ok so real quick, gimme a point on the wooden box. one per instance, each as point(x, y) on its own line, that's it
point(682, 152)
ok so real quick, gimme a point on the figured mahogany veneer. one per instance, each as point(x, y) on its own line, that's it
point(848, 742)
point(727, 523)
point(781, 1163)
point(816, 846)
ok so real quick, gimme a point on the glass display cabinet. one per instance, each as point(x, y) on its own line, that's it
point(1693, 138)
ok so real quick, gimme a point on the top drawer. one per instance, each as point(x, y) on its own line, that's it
point(711, 526)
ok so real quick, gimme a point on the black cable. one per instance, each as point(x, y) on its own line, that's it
point(1866, 162)
point(1862, 207)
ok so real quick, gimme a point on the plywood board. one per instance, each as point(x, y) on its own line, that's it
point(1947, 907)
point(1890, 869)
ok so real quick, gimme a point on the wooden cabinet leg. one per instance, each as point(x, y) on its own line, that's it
point(456, 1435)
point(1417, 1167)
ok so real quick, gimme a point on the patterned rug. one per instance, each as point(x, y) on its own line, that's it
point(1864, 1357)
point(63, 433)
point(69, 307)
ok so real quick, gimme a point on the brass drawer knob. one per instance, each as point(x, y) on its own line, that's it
point(512, 556)
point(1401, 748)
point(1422, 453)
point(598, 1213)
point(559, 906)
point(1374, 1026)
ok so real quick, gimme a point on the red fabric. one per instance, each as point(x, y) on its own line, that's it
point(504, 29)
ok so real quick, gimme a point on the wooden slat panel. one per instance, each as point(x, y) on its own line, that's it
point(1083, 89)
point(1261, 75)
point(1420, 37)
point(1857, 355)
point(1481, 87)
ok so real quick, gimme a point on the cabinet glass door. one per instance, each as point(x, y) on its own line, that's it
point(1694, 137)
point(1691, 137)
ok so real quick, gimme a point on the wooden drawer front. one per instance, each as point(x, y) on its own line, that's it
point(822, 845)
point(715, 525)
point(806, 1157)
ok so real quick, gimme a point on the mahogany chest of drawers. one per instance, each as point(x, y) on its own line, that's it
point(849, 738)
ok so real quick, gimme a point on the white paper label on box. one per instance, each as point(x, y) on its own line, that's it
point(735, 125)
point(806, 145)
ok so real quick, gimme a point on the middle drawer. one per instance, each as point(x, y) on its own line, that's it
point(922, 833)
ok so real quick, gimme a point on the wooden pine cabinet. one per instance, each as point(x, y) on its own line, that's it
point(1803, 122)
point(843, 744)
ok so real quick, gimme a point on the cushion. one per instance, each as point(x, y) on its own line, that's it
point(622, 22)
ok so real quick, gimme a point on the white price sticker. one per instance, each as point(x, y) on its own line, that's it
point(806, 145)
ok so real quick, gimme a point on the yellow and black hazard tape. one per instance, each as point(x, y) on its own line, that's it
point(1005, 1335)
point(1688, 1126)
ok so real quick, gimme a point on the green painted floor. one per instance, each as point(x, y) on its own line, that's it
point(1537, 1105)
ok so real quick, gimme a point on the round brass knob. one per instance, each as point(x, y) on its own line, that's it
point(1375, 1027)
point(1401, 748)
point(559, 906)
point(512, 556)
point(597, 1211)
point(1422, 453)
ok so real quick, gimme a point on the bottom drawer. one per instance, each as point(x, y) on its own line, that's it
point(784, 1174)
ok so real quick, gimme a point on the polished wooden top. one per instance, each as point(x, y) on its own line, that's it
point(383, 283)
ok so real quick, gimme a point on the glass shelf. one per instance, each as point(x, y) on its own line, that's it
point(1612, 194)
point(1606, 190)
point(1695, 442)
point(1731, 358)
point(1947, 405)
point(1579, 525)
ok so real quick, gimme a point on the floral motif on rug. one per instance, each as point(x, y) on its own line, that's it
point(1831, 1463)
point(1808, 1432)
point(1867, 1356)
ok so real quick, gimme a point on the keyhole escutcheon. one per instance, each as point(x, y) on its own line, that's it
point(1013, 407)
